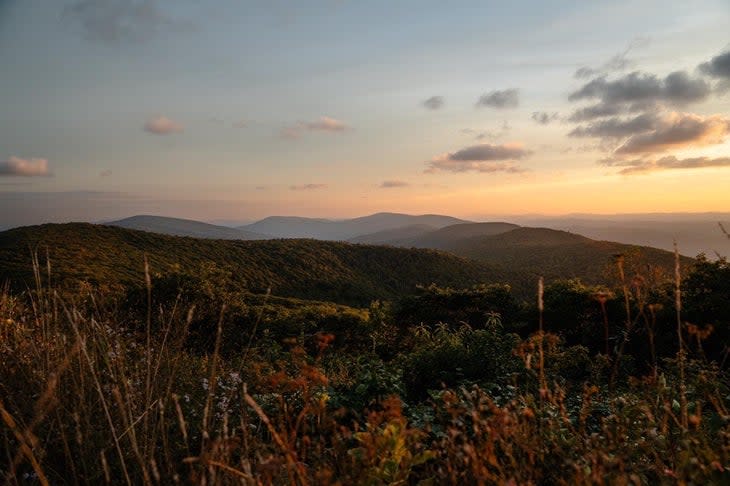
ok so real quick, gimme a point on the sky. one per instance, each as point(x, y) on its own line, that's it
point(236, 110)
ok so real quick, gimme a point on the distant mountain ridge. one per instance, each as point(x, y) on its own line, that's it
point(185, 227)
point(346, 229)
point(394, 236)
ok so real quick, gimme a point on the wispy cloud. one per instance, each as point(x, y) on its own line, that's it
point(543, 117)
point(16, 166)
point(434, 103)
point(118, 21)
point(393, 184)
point(307, 187)
point(161, 125)
point(619, 62)
point(323, 124)
point(644, 166)
point(486, 158)
point(502, 131)
point(508, 98)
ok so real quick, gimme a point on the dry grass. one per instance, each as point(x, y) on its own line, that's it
point(87, 398)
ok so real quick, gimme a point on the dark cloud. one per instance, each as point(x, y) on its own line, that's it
point(718, 66)
point(638, 91)
point(595, 111)
point(677, 130)
point(118, 21)
point(434, 103)
point(480, 158)
point(543, 117)
point(307, 187)
point(488, 151)
point(508, 98)
point(392, 184)
point(656, 132)
point(617, 127)
point(643, 166)
point(15, 166)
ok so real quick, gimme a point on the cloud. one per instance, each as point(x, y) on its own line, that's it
point(718, 66)
point(117, 21)
point(322, 124)
point(656, 132)
point(15, 166)
point(240, 124)
point(161, 125)
point(617, 127)
point(392, 184)
point(678, 130)
point(105, 173)
point(488, 134)
point(508, 98)
point(596, 111)
point(326, 124)
point(480, 158)
point(543, 118)
point(619, 62)
point(434, 103)
point(638, 91)
point(307, 187)
point(643, 166)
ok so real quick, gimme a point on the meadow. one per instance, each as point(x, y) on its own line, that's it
point(190, 378)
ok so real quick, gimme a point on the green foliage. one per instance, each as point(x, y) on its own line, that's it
point(309, 269)
point(211, 380)
point(706, 303)
point(447, 357)
point(473, 306)
point(559, 255)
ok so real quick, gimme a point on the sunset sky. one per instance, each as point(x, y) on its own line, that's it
point(236, 110)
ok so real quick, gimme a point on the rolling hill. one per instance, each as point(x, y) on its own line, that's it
point(444, 238)
point(557, 254)
point(327, 229)
point(393, 236)
point(536, 252)
point(308, 269)
point(185, 227)
point(694, 232)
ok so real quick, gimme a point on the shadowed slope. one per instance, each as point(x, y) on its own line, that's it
point(309, 269)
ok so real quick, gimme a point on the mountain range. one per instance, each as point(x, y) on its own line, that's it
point(327, 229)
point(694, 234)
point(185, 227)
point(457, 255)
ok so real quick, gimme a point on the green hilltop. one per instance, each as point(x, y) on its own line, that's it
point(308, 269)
